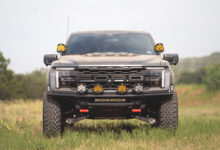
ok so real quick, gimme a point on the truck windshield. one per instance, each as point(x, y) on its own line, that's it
point(129, 42)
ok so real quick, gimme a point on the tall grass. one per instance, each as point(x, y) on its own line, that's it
point(199, 127)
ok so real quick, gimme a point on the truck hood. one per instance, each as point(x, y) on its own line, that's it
point(110, 59)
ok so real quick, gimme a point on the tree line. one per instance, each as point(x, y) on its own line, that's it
point(208, 75)
point(199, 70)
point(20, 86)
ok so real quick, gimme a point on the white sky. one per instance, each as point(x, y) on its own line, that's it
point(31, 28)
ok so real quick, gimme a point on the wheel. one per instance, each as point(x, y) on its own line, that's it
point(168, 113)
point(53, 123)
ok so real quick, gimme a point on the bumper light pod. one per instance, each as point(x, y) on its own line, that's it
point(98, 89)
point(138, 88)
point(81, 89)
point(122, 89)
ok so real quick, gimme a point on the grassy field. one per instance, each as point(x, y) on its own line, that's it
point(199, 127)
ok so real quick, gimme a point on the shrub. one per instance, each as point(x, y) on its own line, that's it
point(212, 77)
point(25, 86)
point(188, 77)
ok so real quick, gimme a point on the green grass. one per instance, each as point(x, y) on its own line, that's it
point(199, 127)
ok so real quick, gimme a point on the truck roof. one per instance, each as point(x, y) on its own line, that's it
point(110, 32)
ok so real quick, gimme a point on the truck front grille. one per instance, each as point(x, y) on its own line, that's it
point(110, 79)
point(107, 71)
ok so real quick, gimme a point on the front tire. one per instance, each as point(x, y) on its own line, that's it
point(168, 113)
point(53, 123)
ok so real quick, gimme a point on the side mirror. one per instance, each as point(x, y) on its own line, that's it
point(49, 58)
point(173, 59)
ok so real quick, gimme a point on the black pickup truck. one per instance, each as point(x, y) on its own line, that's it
point(109, 74)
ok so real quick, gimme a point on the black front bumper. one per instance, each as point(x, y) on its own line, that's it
point(109, 93)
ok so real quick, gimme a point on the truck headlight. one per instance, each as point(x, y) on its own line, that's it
point(156, 76)
point(61, 71)
point(52, 78)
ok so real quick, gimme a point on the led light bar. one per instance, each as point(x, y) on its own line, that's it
point(57, 79)
point(65, 69)
point(155, 68)
point(163, 79)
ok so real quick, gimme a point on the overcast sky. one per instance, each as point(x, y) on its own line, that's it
point(31, 28)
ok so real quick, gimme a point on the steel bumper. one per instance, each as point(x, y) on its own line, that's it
point(109, 93)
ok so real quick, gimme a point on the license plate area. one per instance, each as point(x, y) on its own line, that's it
point(109, 100)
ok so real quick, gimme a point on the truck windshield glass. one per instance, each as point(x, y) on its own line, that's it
point(129, 42)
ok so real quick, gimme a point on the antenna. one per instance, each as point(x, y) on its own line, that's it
point(67, 32)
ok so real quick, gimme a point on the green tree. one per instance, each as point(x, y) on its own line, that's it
point(6, 77)
point(188, 77)
point(212, 77)
point(25, 86)
point(29, 86)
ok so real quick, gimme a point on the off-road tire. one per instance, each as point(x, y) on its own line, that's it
point(53, 123)
point(168, 113)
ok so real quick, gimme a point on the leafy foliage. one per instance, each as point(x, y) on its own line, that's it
point(199, 70)
point(15, 86)
point(212, 78)
point(189, 77)
point(209, 76)
point(195, 63)
point(6, 77)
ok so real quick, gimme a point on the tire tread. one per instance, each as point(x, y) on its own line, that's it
point(168, 113)
point(52, 116)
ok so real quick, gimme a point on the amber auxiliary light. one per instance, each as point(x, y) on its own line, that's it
point(159, 47)
point(98, 89)
point(122, 89)
point(61, 48)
